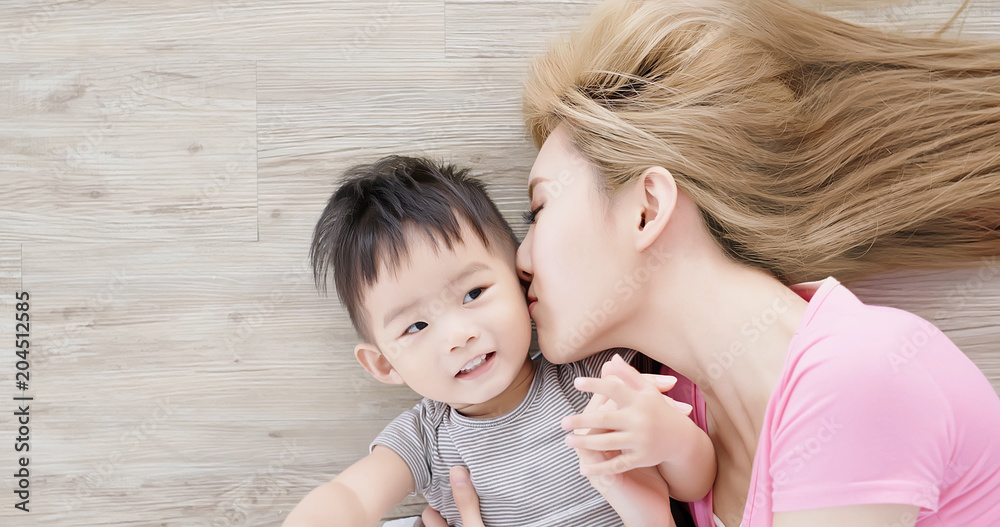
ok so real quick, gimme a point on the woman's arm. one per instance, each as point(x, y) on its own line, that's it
point(854, 515)
point(359, 496)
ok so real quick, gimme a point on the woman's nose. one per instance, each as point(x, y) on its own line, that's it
point(523, 261)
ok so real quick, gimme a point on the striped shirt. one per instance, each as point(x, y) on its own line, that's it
point(521, 468)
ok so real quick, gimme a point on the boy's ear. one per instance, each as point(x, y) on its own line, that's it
point(375, 363)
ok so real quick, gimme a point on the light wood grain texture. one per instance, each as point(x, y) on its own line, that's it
point(128, 150)
point(280, 31)
point(465, 111)
point(186, 371)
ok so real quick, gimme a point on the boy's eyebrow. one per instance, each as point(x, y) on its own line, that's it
point(472, 268)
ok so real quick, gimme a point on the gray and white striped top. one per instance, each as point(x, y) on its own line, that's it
point(523, 471)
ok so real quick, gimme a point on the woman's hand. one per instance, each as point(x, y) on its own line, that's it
point(638, 424)
point(466, 500)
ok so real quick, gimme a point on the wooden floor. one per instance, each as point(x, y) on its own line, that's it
point(162, 165)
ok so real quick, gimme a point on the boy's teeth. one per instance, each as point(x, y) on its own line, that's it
point(471, 365)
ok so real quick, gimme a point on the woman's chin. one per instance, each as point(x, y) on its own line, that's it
point(560, 348)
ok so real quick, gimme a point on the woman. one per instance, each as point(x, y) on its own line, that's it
point(699, 164)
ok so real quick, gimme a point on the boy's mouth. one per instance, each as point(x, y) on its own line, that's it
point(475, 364)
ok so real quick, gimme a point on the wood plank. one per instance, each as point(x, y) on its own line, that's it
point(509, 28)
point(104, 150)
point(516, 28)
point(318, 122)
point(287, 31)
point(978, 20)
point(211, 326)
point(170, 470)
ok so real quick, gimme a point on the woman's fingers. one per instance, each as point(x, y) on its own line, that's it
point(432, 518)
point(465, 496)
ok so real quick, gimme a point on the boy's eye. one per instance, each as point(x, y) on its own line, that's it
point(529, 216)
point(474, 294)
point(415, 326)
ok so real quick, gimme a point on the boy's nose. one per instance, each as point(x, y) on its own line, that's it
point(461, 339)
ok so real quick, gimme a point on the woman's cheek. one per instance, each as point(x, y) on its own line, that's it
point(546, 258)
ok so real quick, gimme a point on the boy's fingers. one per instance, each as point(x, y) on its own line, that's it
point(596, 402)
point(662, 382)
point(611, 387)
point(465, 496)
point(590, 457)
point(624, 371)
point(604, 442)
point(615, 465)
point(595, 421)
point(684, 407)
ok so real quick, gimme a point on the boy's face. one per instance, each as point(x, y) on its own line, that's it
point(451, 324)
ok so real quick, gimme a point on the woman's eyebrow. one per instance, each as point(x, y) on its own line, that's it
point(531, 186)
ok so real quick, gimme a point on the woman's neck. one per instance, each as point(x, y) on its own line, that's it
point(727, 328)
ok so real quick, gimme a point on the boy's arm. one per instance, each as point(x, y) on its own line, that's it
point(691, 476)
point(359, 496)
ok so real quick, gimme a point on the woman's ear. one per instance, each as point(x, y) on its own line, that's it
point(375, 363)
point(659, 195)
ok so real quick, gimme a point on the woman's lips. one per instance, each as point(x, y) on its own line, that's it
point(531, 304)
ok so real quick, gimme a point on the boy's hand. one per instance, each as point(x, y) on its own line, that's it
point(630, 424)
point(640, 496)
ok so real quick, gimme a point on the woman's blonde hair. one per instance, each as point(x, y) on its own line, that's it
point(812, 146)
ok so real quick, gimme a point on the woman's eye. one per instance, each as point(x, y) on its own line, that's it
point(417, 326)
point(474, 294)
point(529, 215)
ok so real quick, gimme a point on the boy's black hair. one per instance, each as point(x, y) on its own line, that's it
point(363, 224)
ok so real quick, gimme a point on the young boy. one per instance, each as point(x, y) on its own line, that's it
point(424, 263)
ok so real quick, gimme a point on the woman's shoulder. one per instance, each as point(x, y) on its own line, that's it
point(844, 332)
point(852, 354)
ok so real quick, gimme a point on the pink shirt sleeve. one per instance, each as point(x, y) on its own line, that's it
point(857, 422)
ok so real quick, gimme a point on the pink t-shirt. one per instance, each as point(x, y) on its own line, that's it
point(874, 405)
